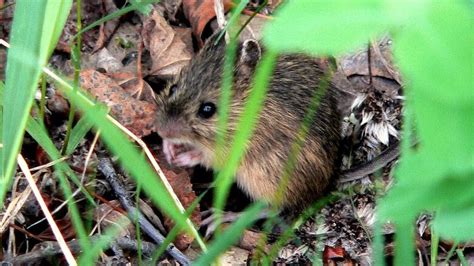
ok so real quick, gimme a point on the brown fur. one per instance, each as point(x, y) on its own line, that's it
point(291, 88)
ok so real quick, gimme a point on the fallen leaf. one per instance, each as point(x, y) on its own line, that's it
point(107, 28)
point(200, 13)
point(169, 8)
point(381, 62)
point(331, 253)
point(65, 227)
point(168, 51)
point(251, 239)
point(137, 116)
point(110, 214)
point(181, 183)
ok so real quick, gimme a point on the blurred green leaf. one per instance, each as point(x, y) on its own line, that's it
point(435, 56)
point(455, 223)
point(327, 27)
point(453, 192)
point(433, 47)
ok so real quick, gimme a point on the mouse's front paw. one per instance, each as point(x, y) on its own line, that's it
point(188, 159)
point(181, 155)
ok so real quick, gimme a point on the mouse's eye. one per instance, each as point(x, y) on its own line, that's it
point(172, 89)
point(206, 110)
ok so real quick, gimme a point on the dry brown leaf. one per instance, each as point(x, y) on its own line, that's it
point(169, 8)
point(168, 51)
point(251, 239)
point(137, 116)
point(107, 29)
point(13, 208)
point(107, 215)
point(381, 62)
point(200, 13)
point(336, 256)
point(181, 183)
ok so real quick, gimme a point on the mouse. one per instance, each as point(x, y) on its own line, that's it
point(187, 118)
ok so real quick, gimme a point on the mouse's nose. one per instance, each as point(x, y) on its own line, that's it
point(171, 129)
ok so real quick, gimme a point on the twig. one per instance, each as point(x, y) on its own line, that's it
point(54, 227)
point(220, 15)
point(106, 168)
point(219, 9)
point(48, 249)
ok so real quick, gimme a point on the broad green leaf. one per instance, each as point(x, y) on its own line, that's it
point(438, 67)
point(408, 198)
point(455, 223)
point(435, 56)
point(327, 27)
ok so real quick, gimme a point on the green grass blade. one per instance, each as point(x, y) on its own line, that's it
point(233, 20)
point(55, 18)
point(22, 73)
point(2, 87)
point(77, 134)
point(405, 244)
point(89, 256)
point(246, 125)
point(134, 6)
point(38, 133)
point(32, 38)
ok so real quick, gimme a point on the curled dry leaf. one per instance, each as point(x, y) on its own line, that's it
point(356, 64)
point(168, 51)
point(108, 214)
point(169, 8)
point(200, 13)
point(107, 28)
point(137, 116)
point(336, 256)
point(251, 239)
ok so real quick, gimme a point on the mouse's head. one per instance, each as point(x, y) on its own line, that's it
point(188, 107)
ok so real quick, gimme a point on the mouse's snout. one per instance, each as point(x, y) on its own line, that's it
point(172, 129)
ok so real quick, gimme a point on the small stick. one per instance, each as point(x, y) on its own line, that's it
point(48, 249)
point(54, 227)
point(106, 168)
point(220, 15)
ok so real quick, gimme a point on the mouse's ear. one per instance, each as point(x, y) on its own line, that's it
point(249, 53)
